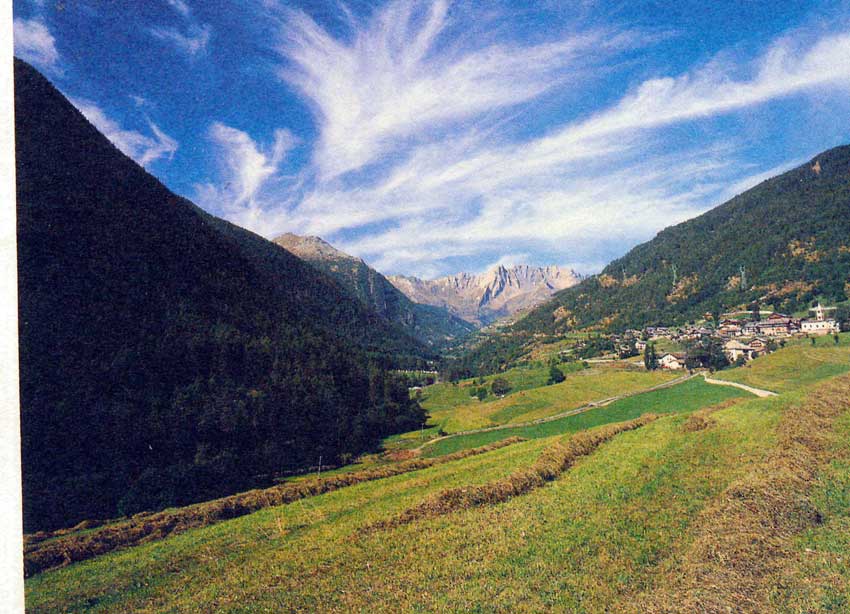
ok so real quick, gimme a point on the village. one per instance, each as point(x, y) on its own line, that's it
point(741, 339)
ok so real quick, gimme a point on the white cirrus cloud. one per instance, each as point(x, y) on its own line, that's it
point(34, 43)
point(394, 80)
point(410, 92)
point(143, 148)
point(191, 39)
point(193, 42)
point(181, 7)
point(246, 167)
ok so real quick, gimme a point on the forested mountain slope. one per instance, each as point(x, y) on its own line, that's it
point(783, 243)
point(166, 355)
point(432, 325)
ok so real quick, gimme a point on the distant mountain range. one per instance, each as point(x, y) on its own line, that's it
point(482, 299)
point(166, 355)
point(433, 326)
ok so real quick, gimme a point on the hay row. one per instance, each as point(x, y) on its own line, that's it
point(701, 419)
point(552, 462)
point(744, 539)
point(145, 527)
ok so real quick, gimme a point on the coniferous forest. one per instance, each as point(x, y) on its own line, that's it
point(168, 356)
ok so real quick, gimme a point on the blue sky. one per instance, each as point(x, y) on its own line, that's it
point(430, 137)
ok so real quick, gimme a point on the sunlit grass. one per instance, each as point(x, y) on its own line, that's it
point(683, 397)
point(797, 364)
point(532, 402)
point(573, 545)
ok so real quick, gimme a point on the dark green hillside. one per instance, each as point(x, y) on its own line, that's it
point(167, 356)
point(434, 326)
point(791, 234)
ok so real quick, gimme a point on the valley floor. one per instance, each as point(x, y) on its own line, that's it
point(726, 502)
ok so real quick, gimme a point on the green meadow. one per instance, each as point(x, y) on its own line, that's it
point(603, 533)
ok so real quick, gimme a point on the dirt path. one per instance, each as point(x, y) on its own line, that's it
point(756, 391)
point(564, 414)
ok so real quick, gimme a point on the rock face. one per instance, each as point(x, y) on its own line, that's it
point(481, 299)
point(434, 326)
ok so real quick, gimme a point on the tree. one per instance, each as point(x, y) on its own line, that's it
point(836, 338)
point(650, 358)
point(556, 376)
point(756, 311)
point(842, 316)
point(708, 353)
point(500, 386)
point(481, 393)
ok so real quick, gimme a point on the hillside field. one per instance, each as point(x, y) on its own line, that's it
point(618, 529)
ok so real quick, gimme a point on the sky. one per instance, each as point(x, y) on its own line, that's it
point(432, 137)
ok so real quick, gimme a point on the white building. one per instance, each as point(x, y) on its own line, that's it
point(672, 361)
point(821, 325)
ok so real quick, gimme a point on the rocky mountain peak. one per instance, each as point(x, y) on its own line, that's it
point(499, 292)
point(311, 248)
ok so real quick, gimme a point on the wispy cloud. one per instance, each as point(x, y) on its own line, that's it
point(34, 43)
point(192, 39)
point(408, 92)
point(143, 148)
point(181, 7)
point(246, 167)
point(394, 80)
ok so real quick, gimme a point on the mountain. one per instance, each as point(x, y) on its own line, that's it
point(434, 326)
point(166, 355)
point(783, 243)
point(498, 293)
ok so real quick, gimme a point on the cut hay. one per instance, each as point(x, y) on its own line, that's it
point(702, 420)
point(745, 537)
point(68, 547)
point(552, 462)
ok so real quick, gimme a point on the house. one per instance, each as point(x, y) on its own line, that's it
point(672, 361)
point(735, 349)
point(729, 328)
point(777, 325)
point(658, 332)
point(750, 329)
point(640, 345)
point(758, 346)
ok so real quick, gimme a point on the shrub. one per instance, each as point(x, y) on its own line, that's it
point(500, 386)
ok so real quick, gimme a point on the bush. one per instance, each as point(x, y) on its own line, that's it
point(500, 386)
point(556, 376)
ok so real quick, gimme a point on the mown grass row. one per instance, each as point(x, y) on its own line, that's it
point(745, 538)
point(554, 460)
point(40, 555)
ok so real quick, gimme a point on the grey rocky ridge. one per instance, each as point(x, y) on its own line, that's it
point(501, 292)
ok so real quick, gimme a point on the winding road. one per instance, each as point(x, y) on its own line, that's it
point(756, 391)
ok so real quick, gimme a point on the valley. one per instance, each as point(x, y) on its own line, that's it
point(273, 394)
point(603, 535)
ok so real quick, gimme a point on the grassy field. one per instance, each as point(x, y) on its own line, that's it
point(818, 576)
point(578, 543)
point(684, 397)
point(609, 531)
point(797, 364)
point(452, 409)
